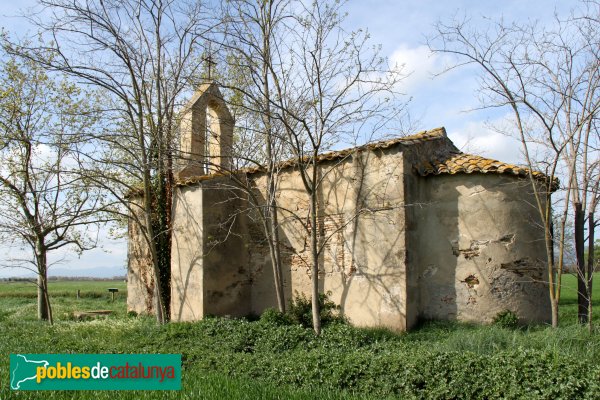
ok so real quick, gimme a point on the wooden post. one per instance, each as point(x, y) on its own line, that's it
point(78, 294)
point(112, 293)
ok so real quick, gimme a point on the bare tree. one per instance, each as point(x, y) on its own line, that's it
point(251, 28)
point(548, 78)
point(580, 123)
point(141, 53)
point(330, 87)
point(46, 204)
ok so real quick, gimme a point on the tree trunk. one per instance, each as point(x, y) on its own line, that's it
point(42, 308)
point(48, 305)
point(272, 235)
point(163, 241)
point(159, 305)
point(276, 253)
point(163, 208)
point(554, 273)
point(43, 299)
point(272, 229)
point(169, 225)
point(554, 308)
point(582, 300)
point(316, 311)
point(151, 236)
point(590, 268)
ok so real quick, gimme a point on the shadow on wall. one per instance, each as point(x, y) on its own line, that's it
point(394, 245)
point(225, 266)
point(208, 263)
point(482, 231)
point(433, 232)
point(365, 255)
point(186, 255)
point(361, 240)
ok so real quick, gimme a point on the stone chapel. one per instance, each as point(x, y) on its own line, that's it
point(415, 229)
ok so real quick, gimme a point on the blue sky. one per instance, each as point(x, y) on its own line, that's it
point(401, 27)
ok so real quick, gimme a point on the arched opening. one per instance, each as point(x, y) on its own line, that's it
point(206, 134)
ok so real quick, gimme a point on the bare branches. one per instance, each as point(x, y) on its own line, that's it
point(311, 85)
point(141, 56)
point(549, 78)
point(46, 202)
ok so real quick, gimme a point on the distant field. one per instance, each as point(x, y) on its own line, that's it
point(21, 298)
point(63, 288)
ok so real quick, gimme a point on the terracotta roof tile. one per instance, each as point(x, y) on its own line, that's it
point(421, 137)
point(456, 163)
point(449, 163)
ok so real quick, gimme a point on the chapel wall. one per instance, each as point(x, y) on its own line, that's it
point(209, 271)
point(362, 215)
point(226, 281)
point(480, 249)
point(140, 276)
point(399, 246)
point(187, 255)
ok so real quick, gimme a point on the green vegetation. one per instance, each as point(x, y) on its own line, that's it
point(300, 311)
point(568, 298)
point(18, 299)
point(506, 319)
point(275, 358)
point(88, 288)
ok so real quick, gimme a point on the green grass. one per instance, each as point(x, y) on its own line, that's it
point(63, 288)
point(237, 359)
point(568, 297)
point(18, 298)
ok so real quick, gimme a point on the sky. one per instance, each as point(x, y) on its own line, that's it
point(401, 27)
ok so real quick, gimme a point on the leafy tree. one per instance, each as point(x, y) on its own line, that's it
point(142, 54)
point(46, 204)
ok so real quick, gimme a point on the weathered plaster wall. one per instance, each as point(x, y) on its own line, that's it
point(225, 268)
point(208, 266)
point(415, 201)
point(361, 222)
point(187, 287)
point(140, 278)
point(396, 246)
point(479, 248)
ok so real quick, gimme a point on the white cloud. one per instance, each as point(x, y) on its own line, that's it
point(419, 63)
point(477, 137)
point(497, 138)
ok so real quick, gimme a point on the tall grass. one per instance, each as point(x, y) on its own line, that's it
point(238, 359)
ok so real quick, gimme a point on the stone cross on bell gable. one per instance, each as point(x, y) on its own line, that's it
point(211, 63)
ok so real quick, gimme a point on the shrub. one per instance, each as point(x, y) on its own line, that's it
point(275, 317)
point(300, 310)
point(506, 319)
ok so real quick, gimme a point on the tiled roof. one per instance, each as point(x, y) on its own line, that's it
point(450, 162)
point(456, 163)
point(421, 137)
